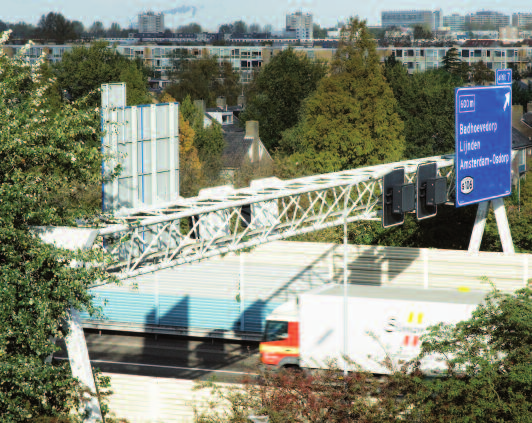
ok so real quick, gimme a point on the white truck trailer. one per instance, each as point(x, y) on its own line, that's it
point(381, 322)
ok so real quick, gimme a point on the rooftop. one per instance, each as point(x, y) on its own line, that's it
point(403, 293)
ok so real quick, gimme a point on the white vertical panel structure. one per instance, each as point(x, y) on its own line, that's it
point(113, 95)
point(145, 141)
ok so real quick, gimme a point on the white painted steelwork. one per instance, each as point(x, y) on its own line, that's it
point(154, 238)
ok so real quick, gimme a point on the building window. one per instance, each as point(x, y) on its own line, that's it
point(465, 53)
point(399, 53)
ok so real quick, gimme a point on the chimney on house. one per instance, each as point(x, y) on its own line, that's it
point(252, 129)
point(220, 102)
point(200, 105)
point(517, 114)
point(241, 101)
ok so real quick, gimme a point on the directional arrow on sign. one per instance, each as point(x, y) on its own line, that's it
point(507, 102)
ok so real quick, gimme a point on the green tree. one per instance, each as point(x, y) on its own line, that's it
point(226, 28)
point(489, 365)
point(55, 27)
point(83, 69)
point(114, 30)
point(240, 27)
point(136, 85)
point(277, 93)
point(481, 74)
point(254, 28)
point(206, 79)
point(97, 29)
point(421, 32)
point(521, 95)
point(78, 28)
point(44, 152)
point(516, 74)
point(318, 31)
point(451, 61)
point(192, 28)
point(351, 120)
point(209, 142)
point(23, 30)
point(425, 102)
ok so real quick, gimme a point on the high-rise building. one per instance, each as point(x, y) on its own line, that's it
point(151, 22)
point(521, 20)
point(299, 25)
point(487, 17)
point(455, 21)
point(399, 18)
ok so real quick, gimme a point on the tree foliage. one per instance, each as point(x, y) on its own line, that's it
point(318, 31)
point(481, 74)
point(45, 153)
point(83, 69)
point(489, 376)
point(192, 28)
point(54, 26)
point(209, 143)
point(522, 94)
point(277, 93)
point(421, 32)
point(206, 79)
point(351, 120)
point(190, 170)
point(425, 103)
point(451, 61)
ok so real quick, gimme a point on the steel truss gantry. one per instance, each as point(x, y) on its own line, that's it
point(222, 220)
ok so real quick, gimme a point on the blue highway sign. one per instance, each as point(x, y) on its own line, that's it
point(483, 163)
point(503, 77)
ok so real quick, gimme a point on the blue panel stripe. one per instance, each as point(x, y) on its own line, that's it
point(183, 311)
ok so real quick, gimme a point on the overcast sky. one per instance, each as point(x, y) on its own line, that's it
point(211, 13)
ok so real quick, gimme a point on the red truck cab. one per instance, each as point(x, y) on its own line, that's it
point(280, 345)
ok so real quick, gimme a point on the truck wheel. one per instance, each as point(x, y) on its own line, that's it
point(292, 368)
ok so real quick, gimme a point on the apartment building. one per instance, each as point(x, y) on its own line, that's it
point(247, 60)
point(487, 17)
point(151, 22)
point(522, 20)
point(400, 18)
point(454, 22)
point(299, 25)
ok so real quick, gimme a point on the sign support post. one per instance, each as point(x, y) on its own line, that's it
point(502, 226)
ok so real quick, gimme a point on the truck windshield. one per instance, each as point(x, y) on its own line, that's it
point(275, 330)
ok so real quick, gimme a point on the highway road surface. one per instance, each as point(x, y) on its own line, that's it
point(170, 356)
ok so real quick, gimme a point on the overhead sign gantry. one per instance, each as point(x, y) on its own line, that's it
point(216, 222)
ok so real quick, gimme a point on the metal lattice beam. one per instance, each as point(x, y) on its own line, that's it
point(216, 223)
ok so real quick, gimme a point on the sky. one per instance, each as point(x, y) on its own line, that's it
point(211, 13)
